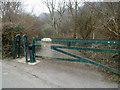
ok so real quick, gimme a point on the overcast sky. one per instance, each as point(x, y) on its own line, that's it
point(38, 7)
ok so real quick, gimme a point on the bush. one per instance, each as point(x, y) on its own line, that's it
point(9, 30)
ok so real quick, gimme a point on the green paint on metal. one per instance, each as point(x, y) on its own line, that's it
point(89, 49)
point(57, 48)
point(87, 60)
point(38, 45)
point(82, 41)
point(87, 41)
point(64, 59)
point(81, 59)
point(32, 54)
point(25, 46)
point(69, 44)
point(33, 42)
point(36, 39)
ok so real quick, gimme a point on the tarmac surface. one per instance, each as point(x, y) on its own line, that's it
point(51, 74)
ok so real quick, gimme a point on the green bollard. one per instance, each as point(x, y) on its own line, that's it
point(33, 42)
point(69, 44)
point(32, 54)
point(25, 46)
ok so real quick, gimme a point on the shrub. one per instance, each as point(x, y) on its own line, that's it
point(9, 30)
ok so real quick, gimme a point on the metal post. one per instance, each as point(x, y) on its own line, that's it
point(33, 42)
point(25, 46)
point(69, 44)
point(32, 54)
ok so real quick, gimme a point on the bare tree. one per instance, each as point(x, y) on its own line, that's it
point(9, 11)
point(108, 18)
point(56, 10)
point(51, 7)
point(73, 8)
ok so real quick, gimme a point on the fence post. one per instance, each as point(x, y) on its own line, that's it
point(33, 42)
point(69, 44)
point(32, 54)
point(25, 45)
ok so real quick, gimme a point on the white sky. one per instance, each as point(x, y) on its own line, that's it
point(38, 7)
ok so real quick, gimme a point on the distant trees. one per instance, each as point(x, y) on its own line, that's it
point(51, 5)
point(58, 16)
point(56, 10)
point(107, 15)
point(84, 20)
point(73, 9)
point(10, 11)
point(16, 21)
point(66, 19)
point(111, 22)
point(79, 20)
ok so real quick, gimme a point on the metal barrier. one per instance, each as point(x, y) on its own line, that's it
point(28, 49)
point(78, 58)
point(25, 47)
point(31, 48)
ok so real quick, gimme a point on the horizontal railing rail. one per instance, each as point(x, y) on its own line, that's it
point(30, 49)
point(81, 41)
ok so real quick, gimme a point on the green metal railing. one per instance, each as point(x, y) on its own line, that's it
point(28, 49)
point(59, 48)
point(80, 41)
point(79, 58)
point(25, 47)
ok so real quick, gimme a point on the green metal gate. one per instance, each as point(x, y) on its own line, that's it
point(60, 48)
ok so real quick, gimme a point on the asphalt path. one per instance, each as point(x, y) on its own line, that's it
point(52, 74)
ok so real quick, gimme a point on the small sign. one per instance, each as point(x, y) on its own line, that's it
point(47, 39)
